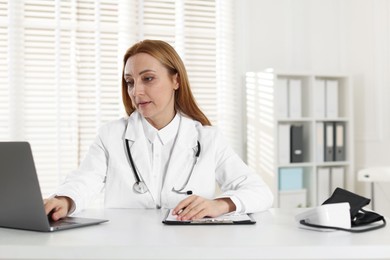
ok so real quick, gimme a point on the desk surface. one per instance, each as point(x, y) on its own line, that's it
point(139, 234)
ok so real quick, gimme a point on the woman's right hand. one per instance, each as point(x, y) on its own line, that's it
point(58, 207)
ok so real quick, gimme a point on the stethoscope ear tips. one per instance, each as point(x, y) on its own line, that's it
point(189, 192)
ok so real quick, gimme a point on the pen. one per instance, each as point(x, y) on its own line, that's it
point(212, 220)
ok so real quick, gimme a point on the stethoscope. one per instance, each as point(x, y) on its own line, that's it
point(140, 186)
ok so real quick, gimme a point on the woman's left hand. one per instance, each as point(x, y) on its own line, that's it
point(196, 207)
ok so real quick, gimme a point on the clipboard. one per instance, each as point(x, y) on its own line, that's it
point(227, 219)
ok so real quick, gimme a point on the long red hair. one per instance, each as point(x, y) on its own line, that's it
point(184, 100)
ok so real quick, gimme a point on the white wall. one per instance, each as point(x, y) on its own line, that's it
point(328, 36)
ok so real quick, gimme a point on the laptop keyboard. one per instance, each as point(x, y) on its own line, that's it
point(61, 222)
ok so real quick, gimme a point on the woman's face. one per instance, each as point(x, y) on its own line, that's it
point(151, 89)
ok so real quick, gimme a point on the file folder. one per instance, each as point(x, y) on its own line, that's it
point(284, 143)
point(329, 140)
point(332, 101)
point(339, 142)
point(295, 98)
point(323, 184)
point(296, 139)
point(293, 199)
point(320, 141)
point(282, 97)
point(337, 178)
point(319, 98)
point(290, 179)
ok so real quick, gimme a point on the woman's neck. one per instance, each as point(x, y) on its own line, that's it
point(161, 123)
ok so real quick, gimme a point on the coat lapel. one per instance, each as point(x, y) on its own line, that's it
point(138, 147)
point(182, 154)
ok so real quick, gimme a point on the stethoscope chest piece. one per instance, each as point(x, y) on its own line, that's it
point(140, 187)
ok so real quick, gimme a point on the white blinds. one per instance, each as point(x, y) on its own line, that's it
point(61, 63)
point(190, 26)
point(4, 61)
point(200, 53)
point(229, 91)
point(98, 80)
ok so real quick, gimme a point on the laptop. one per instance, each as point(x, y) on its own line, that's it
point(21, 201)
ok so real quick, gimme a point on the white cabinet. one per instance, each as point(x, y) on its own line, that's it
point(300, 134)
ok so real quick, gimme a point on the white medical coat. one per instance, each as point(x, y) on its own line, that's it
point(106, 166)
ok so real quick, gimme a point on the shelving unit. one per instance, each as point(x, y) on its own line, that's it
point(266, 104)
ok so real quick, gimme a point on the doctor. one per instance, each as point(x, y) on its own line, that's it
point(165, 154)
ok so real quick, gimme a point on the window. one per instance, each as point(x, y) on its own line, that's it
point(60, 79)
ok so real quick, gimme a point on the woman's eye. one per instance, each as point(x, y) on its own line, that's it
point(148, 78)
point(130, 84)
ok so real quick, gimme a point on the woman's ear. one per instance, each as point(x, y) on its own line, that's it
point(176, 81)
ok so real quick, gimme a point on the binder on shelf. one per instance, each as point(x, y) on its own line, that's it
point(329, 140)
point(320, 141)
point(296, 140)
point(337, 178)
point(295, 98)
point(339, 142)
point(290, 179)
point(332, 101)
point(284, 143)
point(282, 92)
point(323, 184)
point(293, 199)
point(319, 98)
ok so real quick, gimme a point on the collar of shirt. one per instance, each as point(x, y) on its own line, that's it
point(165, 134)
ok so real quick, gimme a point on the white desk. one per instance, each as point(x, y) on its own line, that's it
point(139, 234)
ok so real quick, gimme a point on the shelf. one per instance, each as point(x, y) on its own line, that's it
point(274, 108)
point(295, 120)
point(292, 165)
point(339, 119)
point(331, 164)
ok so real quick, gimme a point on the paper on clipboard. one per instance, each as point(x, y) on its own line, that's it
point(230, 218)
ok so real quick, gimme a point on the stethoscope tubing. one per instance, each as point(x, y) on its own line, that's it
point(140, 186)
point(180, 191)
point(137, 178)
